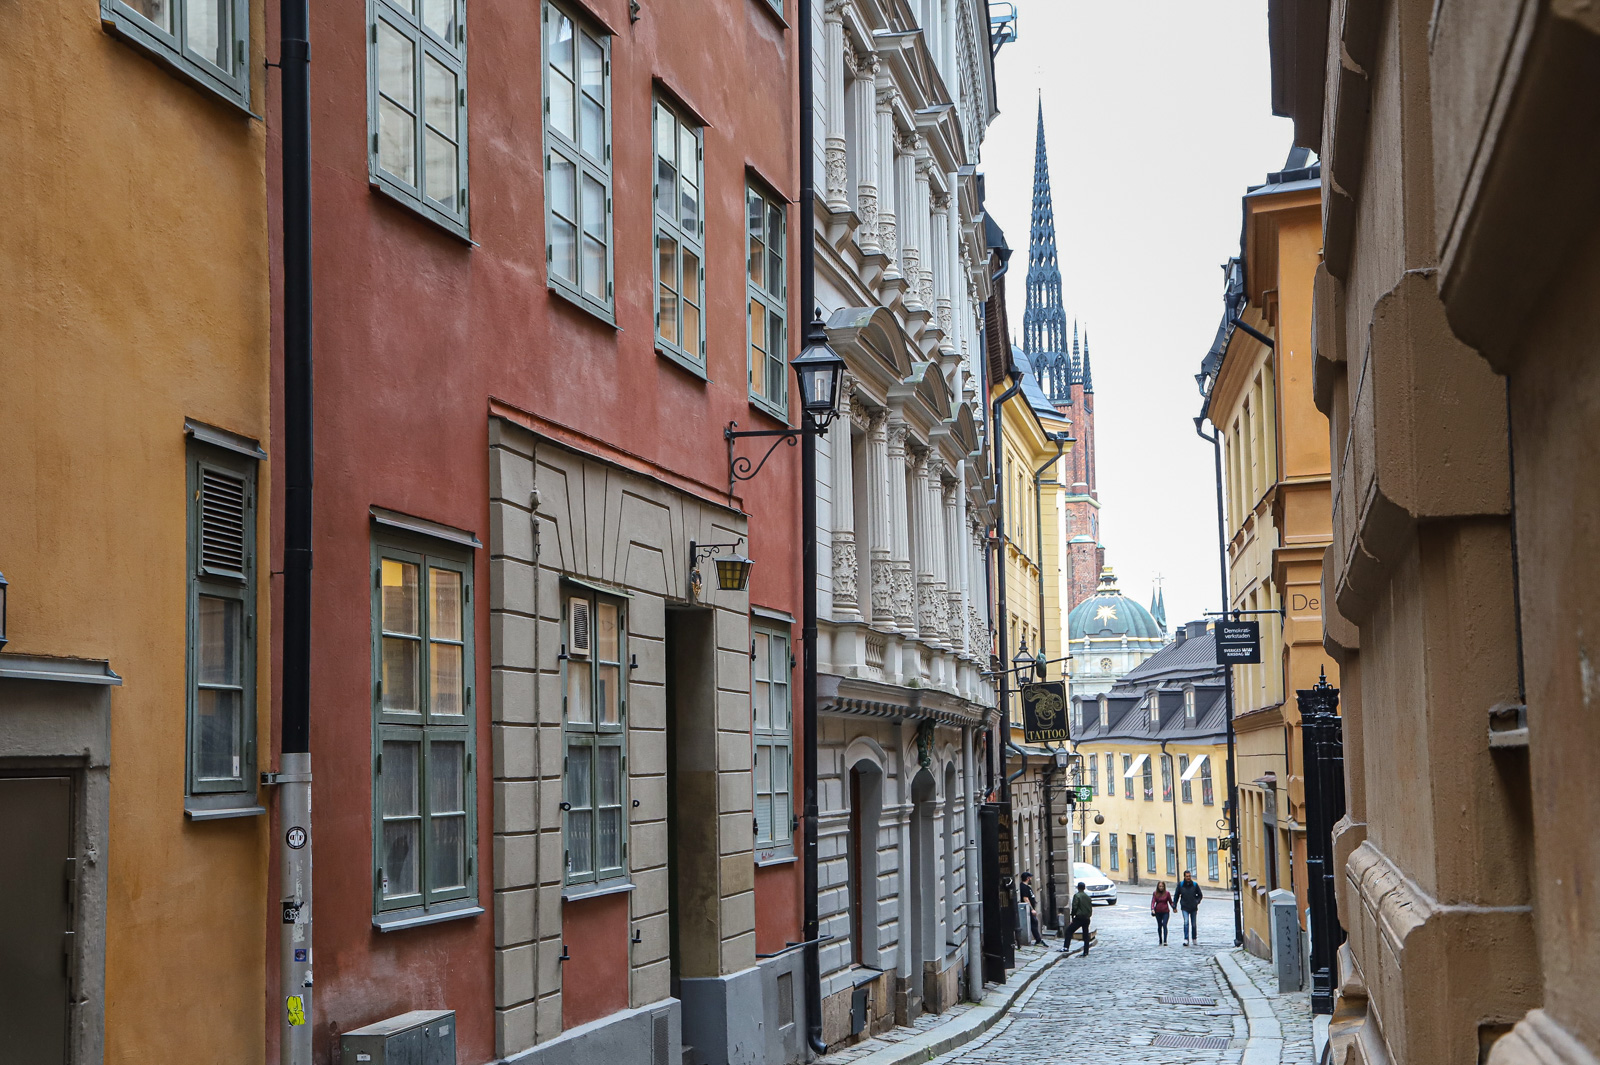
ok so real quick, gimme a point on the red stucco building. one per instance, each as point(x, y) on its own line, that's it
point(554, 781)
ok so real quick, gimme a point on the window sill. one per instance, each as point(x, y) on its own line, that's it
point(775, 859)
point(774, 12)
point(404, 197)
point(219, 807)
point(399, 920)
point(614, 886)
point(129, 27)
point(776, 413)
point(583, 303)
point(678, 358)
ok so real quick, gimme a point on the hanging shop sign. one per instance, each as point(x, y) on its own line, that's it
point(1044, 712)
point(1238, 642)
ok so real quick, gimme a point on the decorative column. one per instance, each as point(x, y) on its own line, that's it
point(833, 146)
point(955, 282)
point(846, 604)
point(977, 618)
point(878, 521)
point(927, 613)
point(923, 281)
point(865, 92)
point(888, 173)
point(940, 243)
point(900, 583)
point(937, 560)
point(955, 561)
point(905, 202)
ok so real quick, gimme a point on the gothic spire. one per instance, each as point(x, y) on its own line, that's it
point(1077, 360)
point(1044, 323)
point(1088, 378)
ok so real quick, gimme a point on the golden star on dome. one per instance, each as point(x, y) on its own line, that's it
point(1106, 613)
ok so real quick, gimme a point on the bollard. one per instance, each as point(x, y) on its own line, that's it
point(1285, 940)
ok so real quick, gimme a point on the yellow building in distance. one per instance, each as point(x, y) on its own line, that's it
point(1153, 754)
point(1277, 502)
point(134, 417)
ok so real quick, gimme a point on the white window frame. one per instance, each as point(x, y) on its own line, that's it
point(775, 398)
point(1207, 798)
point(1186, 785)
point(686, 350)
point(427, 43)
point(770, 652)
point(172, 47)
point(596, 168)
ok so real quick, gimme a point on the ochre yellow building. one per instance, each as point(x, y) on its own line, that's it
point(134, 372)
point(1277, 505)
point(1153, 755)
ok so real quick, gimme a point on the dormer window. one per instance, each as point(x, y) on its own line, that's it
point(1188, 706)
point(1155, 710)
point(1105, 713)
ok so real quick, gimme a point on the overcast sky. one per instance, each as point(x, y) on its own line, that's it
point(1157, 118)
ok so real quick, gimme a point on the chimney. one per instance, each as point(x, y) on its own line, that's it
point(1197, 629)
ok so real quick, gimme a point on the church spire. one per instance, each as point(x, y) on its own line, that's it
point(1088, 378)
point(1044, 323)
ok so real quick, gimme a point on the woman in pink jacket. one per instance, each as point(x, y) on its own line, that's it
point(1161, 906)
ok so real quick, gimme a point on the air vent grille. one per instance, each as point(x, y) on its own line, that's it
point(578, 612)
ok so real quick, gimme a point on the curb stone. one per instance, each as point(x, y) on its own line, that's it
point(1264, 1045)
point(958, 1031)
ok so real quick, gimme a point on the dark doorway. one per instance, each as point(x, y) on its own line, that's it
point(691, 786)
point(37, 885)
point(1133, 858)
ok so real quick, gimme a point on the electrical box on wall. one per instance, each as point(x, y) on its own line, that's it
point(421, 1037)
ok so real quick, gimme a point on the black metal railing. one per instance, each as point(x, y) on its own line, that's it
point(1322, 733)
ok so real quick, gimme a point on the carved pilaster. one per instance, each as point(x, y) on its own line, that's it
point(844, 572)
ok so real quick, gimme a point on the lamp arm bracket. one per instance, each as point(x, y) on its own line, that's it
point(742, 467)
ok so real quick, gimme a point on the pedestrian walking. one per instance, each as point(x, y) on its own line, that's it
point(1033, 907)
point(1082, 910)
point(1161, 907)
point(1189, 896)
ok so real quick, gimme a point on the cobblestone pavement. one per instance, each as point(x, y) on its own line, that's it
point(1106, 1009)
point(1293, 1009)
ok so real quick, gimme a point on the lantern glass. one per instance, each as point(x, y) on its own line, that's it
point(820, 371)
point(733, 573)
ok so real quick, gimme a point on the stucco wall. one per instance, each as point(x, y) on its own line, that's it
point(133, 268)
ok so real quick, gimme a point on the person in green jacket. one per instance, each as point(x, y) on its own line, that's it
point(1082, 910)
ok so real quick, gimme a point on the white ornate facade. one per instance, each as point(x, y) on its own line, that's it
point(904, 93)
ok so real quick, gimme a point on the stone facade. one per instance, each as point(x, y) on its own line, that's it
point(1454, 320)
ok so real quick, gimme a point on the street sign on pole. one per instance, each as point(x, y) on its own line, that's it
point(1238, 642)
point(1044, 712)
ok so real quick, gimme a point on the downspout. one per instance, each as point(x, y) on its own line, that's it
point(808, 549)
point(296, 1018)
point(974, 899)
point(1215, 440)
point(1004, 695)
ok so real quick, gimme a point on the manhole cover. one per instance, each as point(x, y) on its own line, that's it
point(1192, 1042)
point(1187, 1000)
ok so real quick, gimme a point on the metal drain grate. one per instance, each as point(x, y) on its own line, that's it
point(1192, 1042)
point(1187, 1000)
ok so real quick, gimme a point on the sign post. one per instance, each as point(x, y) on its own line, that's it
point(1238, 642)
point(1044, 712)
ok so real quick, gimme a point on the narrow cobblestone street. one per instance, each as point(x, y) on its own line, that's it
point(1116, 1006)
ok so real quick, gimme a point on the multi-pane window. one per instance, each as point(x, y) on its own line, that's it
point(766, 294)
point(417, 110)
point(1150, 852)
point(1105, 710)
point(680, 237)
point(1111, 847)
point(1111, 776)
point(1183, 777)
point(1148, 776)
point(577, 159)
point(596, 708)
point(770, 715)
point(1188, 706)
point(222, 633)
point(1189, 861)
point(1094, 774)
point(1094, 851)
point(1211, 860)
point(424, 836)
point(1205, 782)
point(208, 40)
point(1127, 776)
point(1172, 855)
point(1166, 778)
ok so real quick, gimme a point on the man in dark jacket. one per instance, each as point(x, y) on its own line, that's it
point(1033, 906)
point(1189, 896)
point(1082, 910)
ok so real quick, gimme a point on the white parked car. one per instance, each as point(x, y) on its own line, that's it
point(1096, 883)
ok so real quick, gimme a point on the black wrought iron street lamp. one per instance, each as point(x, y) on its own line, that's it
point(733, 571)
point(821, 374)
point(3, 587)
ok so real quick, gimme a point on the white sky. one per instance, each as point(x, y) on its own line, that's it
point(1157, 118)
